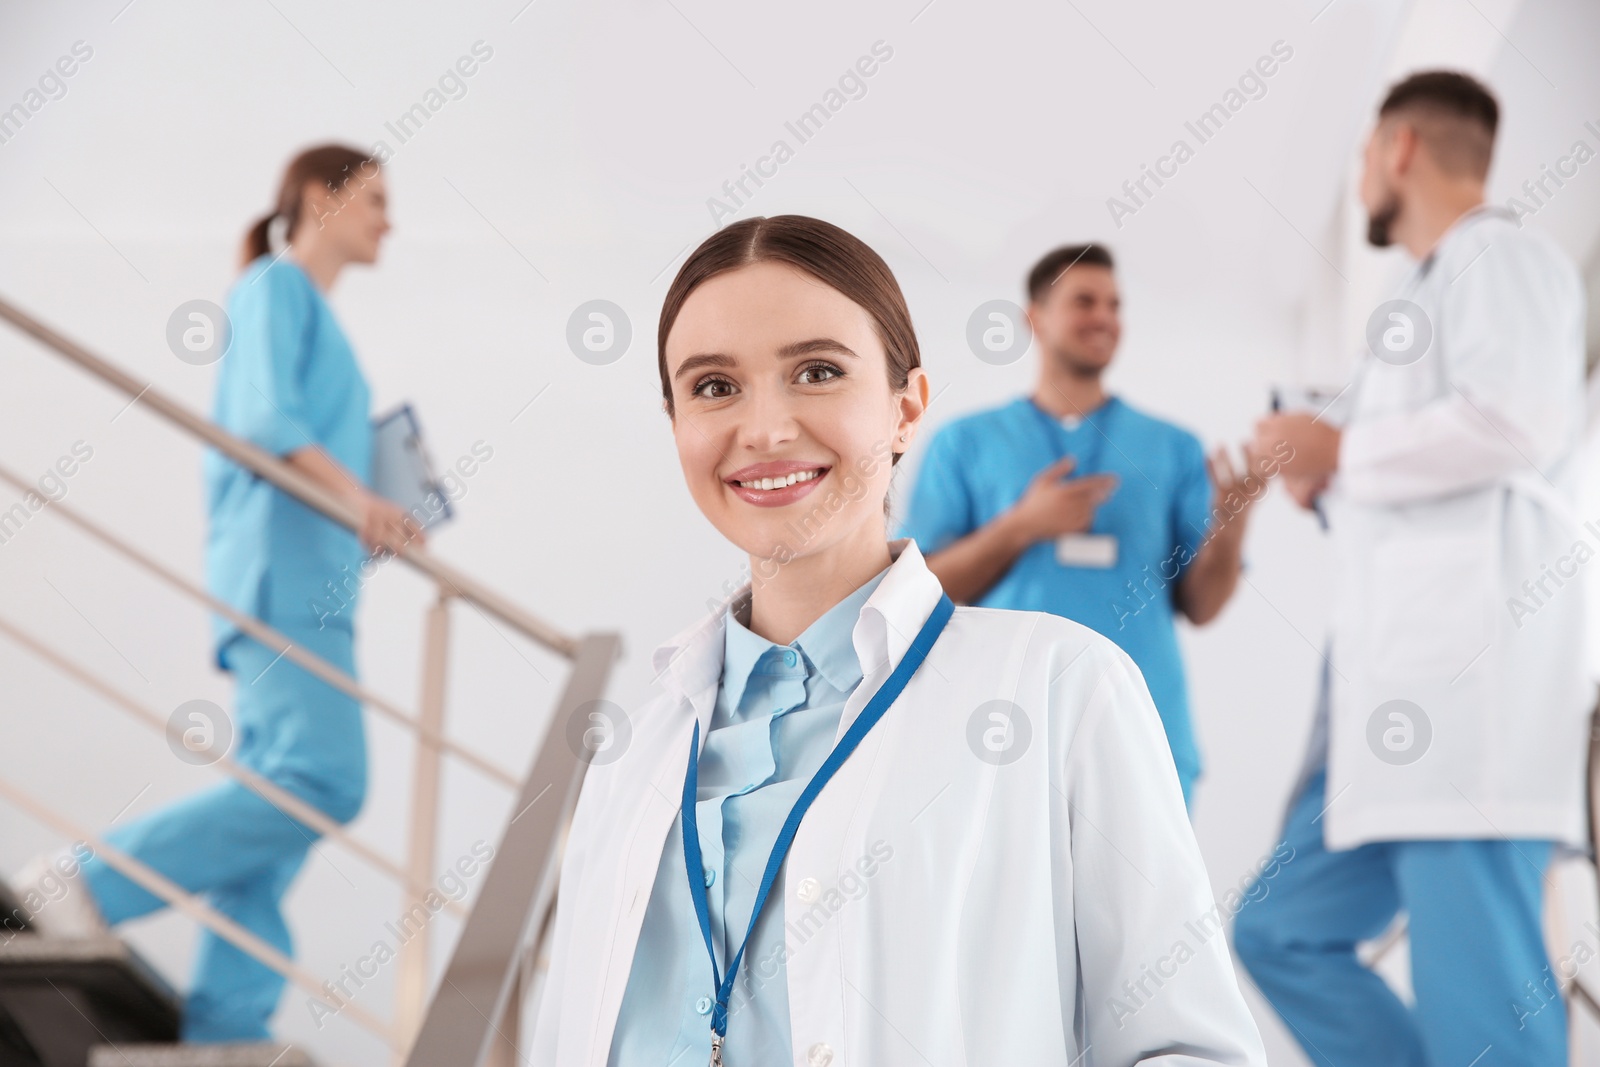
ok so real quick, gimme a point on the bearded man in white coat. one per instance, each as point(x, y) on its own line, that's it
point(1447, 764)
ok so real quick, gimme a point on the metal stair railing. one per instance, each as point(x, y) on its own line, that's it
point(473, 1014)
point(265, 634)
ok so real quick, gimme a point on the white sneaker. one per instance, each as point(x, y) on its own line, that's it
point(56, 898)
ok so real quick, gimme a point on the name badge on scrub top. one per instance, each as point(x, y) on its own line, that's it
point(1086, 550)
point(1083, 549)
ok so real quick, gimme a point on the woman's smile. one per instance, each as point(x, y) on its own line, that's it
point(788, 396)
point(771, 485)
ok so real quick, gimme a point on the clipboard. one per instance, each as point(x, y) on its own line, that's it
point(402, 470)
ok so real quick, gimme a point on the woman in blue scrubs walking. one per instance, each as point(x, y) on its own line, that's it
point(290, 384)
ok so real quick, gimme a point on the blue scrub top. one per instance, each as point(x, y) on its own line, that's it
point(979, 465)
point(778, 709)
point(289, 380)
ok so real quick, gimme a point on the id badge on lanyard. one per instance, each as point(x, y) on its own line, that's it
point(1087, 549)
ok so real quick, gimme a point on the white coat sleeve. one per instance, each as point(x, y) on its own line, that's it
point(1507, 338)
point(1157, 978)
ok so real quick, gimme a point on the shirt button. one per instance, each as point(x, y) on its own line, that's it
point(808, 891)
point(711, 877)
point(820, 1054)
point(789, 656)
point(703, 1005)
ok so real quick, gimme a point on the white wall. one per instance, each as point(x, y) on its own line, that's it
point(578, 165)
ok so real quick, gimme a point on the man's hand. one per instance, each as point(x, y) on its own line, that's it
point(1055, 504)
point(1234, 492)
point(1214, 575)
point(1304, 490)
point(1313, 446)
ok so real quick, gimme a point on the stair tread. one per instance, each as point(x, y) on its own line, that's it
point(13, 916)
point(106, 964)
point(29, 948)
point(254, 1054)
point(62, 996)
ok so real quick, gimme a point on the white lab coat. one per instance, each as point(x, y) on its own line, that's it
point(1020, 904)
point(1456, 483)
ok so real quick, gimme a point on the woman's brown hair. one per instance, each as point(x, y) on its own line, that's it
point(820, 249)
point(332, 164)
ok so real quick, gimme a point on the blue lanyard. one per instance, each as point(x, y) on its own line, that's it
point(1099, 421)
point(864, 722)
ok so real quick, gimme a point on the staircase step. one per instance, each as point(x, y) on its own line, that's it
point(255, 1054)
point(61, 996)
point(13, 916)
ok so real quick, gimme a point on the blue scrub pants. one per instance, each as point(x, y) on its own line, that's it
point(1485, 995)
point(234, 847)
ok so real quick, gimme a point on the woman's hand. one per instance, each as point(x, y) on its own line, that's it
point(382, 524)
point(386, 525)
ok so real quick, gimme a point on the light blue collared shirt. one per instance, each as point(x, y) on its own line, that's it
point(778, 709)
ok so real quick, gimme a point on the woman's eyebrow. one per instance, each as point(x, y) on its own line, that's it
point(788, 351)
point(705, 359)
point(816, 344)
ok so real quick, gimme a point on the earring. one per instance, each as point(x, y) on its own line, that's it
point(902, 437)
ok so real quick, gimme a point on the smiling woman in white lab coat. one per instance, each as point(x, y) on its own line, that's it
point(999, 869)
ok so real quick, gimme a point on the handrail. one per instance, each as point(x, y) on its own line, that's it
point(270, 637)
point(288, 479)
point(156, 884)
point(474, 1006)
point(272, 793)
point(482, 978)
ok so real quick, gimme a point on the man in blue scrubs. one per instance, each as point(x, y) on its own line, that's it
point(1072, 501)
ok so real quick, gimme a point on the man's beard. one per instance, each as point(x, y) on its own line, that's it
point(1381, 222)
point(1076, 366)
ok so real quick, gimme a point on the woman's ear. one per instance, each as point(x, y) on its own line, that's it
point(913, 401)
point(317, 203)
